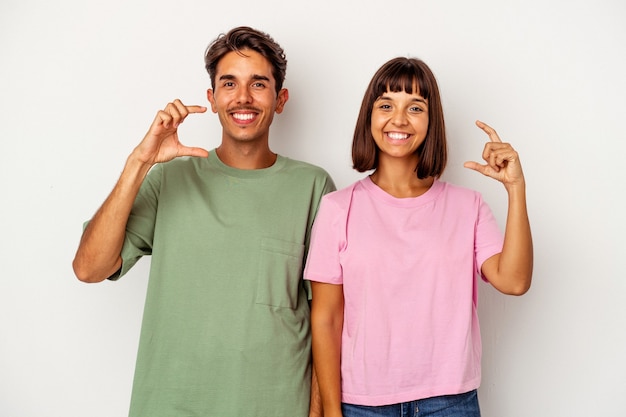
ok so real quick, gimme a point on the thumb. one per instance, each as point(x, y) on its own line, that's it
point(486, 170)
point(190, 151)
point(474, 166)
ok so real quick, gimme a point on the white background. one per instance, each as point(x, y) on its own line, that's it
point(81, 81)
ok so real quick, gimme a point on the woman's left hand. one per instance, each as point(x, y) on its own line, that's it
point(502, 160)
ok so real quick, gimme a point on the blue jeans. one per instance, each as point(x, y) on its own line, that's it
point(459, 405)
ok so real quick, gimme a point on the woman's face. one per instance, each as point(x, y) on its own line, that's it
point(399, 123)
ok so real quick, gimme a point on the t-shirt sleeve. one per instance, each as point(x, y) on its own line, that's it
point(327, 186)
point(140, 227)
point(131, 253)
point(327, 241)
point(489, 238)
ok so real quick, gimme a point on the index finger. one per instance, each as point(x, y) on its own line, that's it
point(196, 109)
point(184, 109)
point(493, 136)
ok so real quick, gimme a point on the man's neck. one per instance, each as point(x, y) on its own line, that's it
point(246, 156)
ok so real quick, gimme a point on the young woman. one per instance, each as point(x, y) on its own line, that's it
point(394, 259)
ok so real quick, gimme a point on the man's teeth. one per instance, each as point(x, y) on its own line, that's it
point(243, 116)
point(398, 136)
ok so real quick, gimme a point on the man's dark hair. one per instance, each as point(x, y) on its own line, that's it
point(244, 37)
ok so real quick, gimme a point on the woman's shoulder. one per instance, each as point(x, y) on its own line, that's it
point(456, 188)
point(459, 193)
point(339, 201)
point(344, 193)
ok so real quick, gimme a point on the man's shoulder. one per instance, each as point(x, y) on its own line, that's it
point(296, 164)
point(304, 171)
point(182, 166)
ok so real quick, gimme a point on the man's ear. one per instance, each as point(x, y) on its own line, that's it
point(283, 96)
point(211, 98)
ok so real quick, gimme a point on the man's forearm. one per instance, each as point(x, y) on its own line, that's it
point(315, 409)
point(98, 254)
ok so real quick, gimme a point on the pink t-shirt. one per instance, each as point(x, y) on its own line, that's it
point(408, 267)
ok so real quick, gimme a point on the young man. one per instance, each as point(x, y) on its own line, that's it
point(226, 322)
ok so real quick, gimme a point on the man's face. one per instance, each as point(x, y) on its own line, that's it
point(244, 96)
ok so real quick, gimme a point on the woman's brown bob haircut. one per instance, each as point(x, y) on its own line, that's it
point(403, 74)
point(244, 37)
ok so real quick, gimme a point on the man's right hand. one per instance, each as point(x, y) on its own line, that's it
point(161, 143)
point(99, 252)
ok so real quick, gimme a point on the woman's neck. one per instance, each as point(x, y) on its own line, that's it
point(400, 180)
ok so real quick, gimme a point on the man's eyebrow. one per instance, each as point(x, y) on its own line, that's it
point(254, 77)
point(260, 77)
